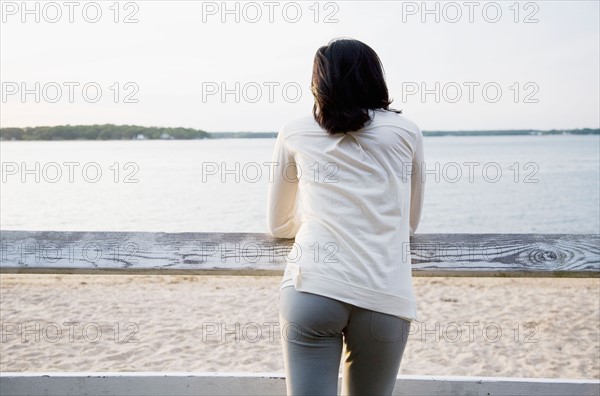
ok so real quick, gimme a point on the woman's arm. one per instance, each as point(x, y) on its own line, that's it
point(283, 220)
point(417, 184)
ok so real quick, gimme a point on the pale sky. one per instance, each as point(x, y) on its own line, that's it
point(179, 55)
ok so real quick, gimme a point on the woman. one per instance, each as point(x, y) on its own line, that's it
point(348, 186)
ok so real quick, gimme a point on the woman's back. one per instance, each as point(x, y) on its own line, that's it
point(361, 195)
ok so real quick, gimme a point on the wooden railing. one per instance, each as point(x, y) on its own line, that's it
point(546, 255)
point(503, 255)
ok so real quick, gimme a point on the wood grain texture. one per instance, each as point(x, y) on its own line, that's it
point(107, 383)
point(546, 255)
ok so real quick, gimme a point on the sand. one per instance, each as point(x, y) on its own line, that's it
point(514, 327)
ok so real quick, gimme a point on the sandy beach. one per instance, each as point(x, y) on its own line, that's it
point(547, 328)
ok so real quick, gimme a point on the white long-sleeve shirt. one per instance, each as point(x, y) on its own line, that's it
point(351, 201)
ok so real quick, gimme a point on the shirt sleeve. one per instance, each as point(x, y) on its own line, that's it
point(283, 216)
point(417, 184)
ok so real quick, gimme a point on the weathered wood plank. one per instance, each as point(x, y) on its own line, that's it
point(548, 255)
point(150, 384)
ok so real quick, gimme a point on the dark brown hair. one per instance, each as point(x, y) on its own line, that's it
point(347, 81)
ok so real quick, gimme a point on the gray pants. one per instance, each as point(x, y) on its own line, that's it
point(314, 329)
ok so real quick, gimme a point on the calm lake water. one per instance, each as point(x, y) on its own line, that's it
point(504, 184)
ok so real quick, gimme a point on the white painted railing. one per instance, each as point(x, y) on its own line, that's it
point(266, 384)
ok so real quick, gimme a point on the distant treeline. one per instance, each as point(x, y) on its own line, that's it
point(128, 132)
point(100, 132)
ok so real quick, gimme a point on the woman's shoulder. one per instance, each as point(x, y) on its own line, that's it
point(306, 123)
point(389, 117)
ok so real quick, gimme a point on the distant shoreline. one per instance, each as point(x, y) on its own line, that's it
point(509, 132)
point(133, 132)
